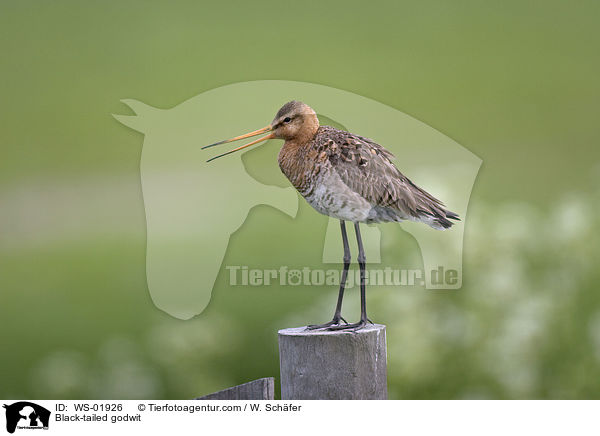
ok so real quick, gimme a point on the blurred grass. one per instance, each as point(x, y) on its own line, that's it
point(515, 82)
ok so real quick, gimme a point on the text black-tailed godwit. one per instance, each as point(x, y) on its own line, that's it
point(347, 177)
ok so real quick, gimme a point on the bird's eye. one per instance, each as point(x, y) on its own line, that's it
point(287, 119)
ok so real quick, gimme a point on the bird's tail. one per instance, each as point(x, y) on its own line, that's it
point(441, 221)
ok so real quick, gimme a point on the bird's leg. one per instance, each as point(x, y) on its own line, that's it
point(337, 316)
point(363, 291)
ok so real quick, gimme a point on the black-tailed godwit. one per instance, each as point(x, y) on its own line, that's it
point(347, 177)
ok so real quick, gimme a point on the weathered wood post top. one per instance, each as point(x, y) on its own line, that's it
point(333, 365)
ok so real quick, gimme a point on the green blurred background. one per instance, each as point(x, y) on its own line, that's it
point(515, 82)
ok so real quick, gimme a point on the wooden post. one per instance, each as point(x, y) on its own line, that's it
point(261, 389)
point(333, 365)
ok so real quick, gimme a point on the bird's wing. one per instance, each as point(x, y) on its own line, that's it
point(366, 167)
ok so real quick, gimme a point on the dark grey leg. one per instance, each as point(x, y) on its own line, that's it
point(362, 261)
point(363, 285)
point(337, 316)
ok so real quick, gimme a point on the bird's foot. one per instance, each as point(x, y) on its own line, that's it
point(350, 327)
point(334, 322)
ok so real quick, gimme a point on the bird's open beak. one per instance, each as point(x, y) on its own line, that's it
point(247, 135)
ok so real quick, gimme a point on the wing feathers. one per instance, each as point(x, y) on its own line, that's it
point(366, 168)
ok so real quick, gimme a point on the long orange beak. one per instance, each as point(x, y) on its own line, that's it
point(247, 135)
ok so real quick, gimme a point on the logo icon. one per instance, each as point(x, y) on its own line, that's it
point(26, 415)
point(190, 217)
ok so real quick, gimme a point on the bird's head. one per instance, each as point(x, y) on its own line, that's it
point(294, 121)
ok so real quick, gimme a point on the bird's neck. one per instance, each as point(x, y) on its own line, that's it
point(295, 163)
point(292, 156)
point(308, 131)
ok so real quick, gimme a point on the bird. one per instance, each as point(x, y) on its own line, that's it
point(347, 177)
